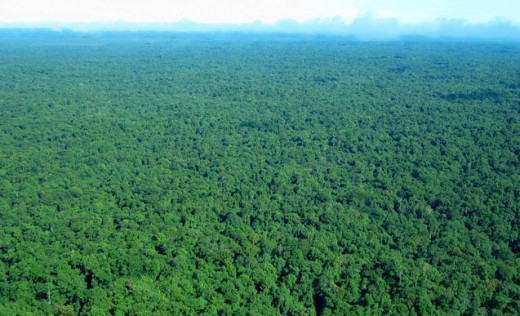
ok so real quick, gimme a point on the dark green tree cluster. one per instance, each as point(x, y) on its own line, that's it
point(224, 174)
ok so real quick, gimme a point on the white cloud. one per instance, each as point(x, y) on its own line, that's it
point(247, 11)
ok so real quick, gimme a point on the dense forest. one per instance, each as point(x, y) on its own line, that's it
point(228, 174)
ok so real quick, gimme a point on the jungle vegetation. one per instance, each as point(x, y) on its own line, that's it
point(228, 174)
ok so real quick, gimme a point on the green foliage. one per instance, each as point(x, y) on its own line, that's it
point(181, 174)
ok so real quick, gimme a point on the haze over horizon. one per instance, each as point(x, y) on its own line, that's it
point(371, 18)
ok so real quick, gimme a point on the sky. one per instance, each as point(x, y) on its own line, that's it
point(266, 12)
point(248, 11)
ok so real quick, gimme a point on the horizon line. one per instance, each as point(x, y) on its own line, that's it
point(368, 26)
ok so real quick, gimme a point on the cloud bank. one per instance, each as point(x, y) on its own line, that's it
point(368, 27)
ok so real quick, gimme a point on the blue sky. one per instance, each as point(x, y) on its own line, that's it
point(424, 15)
